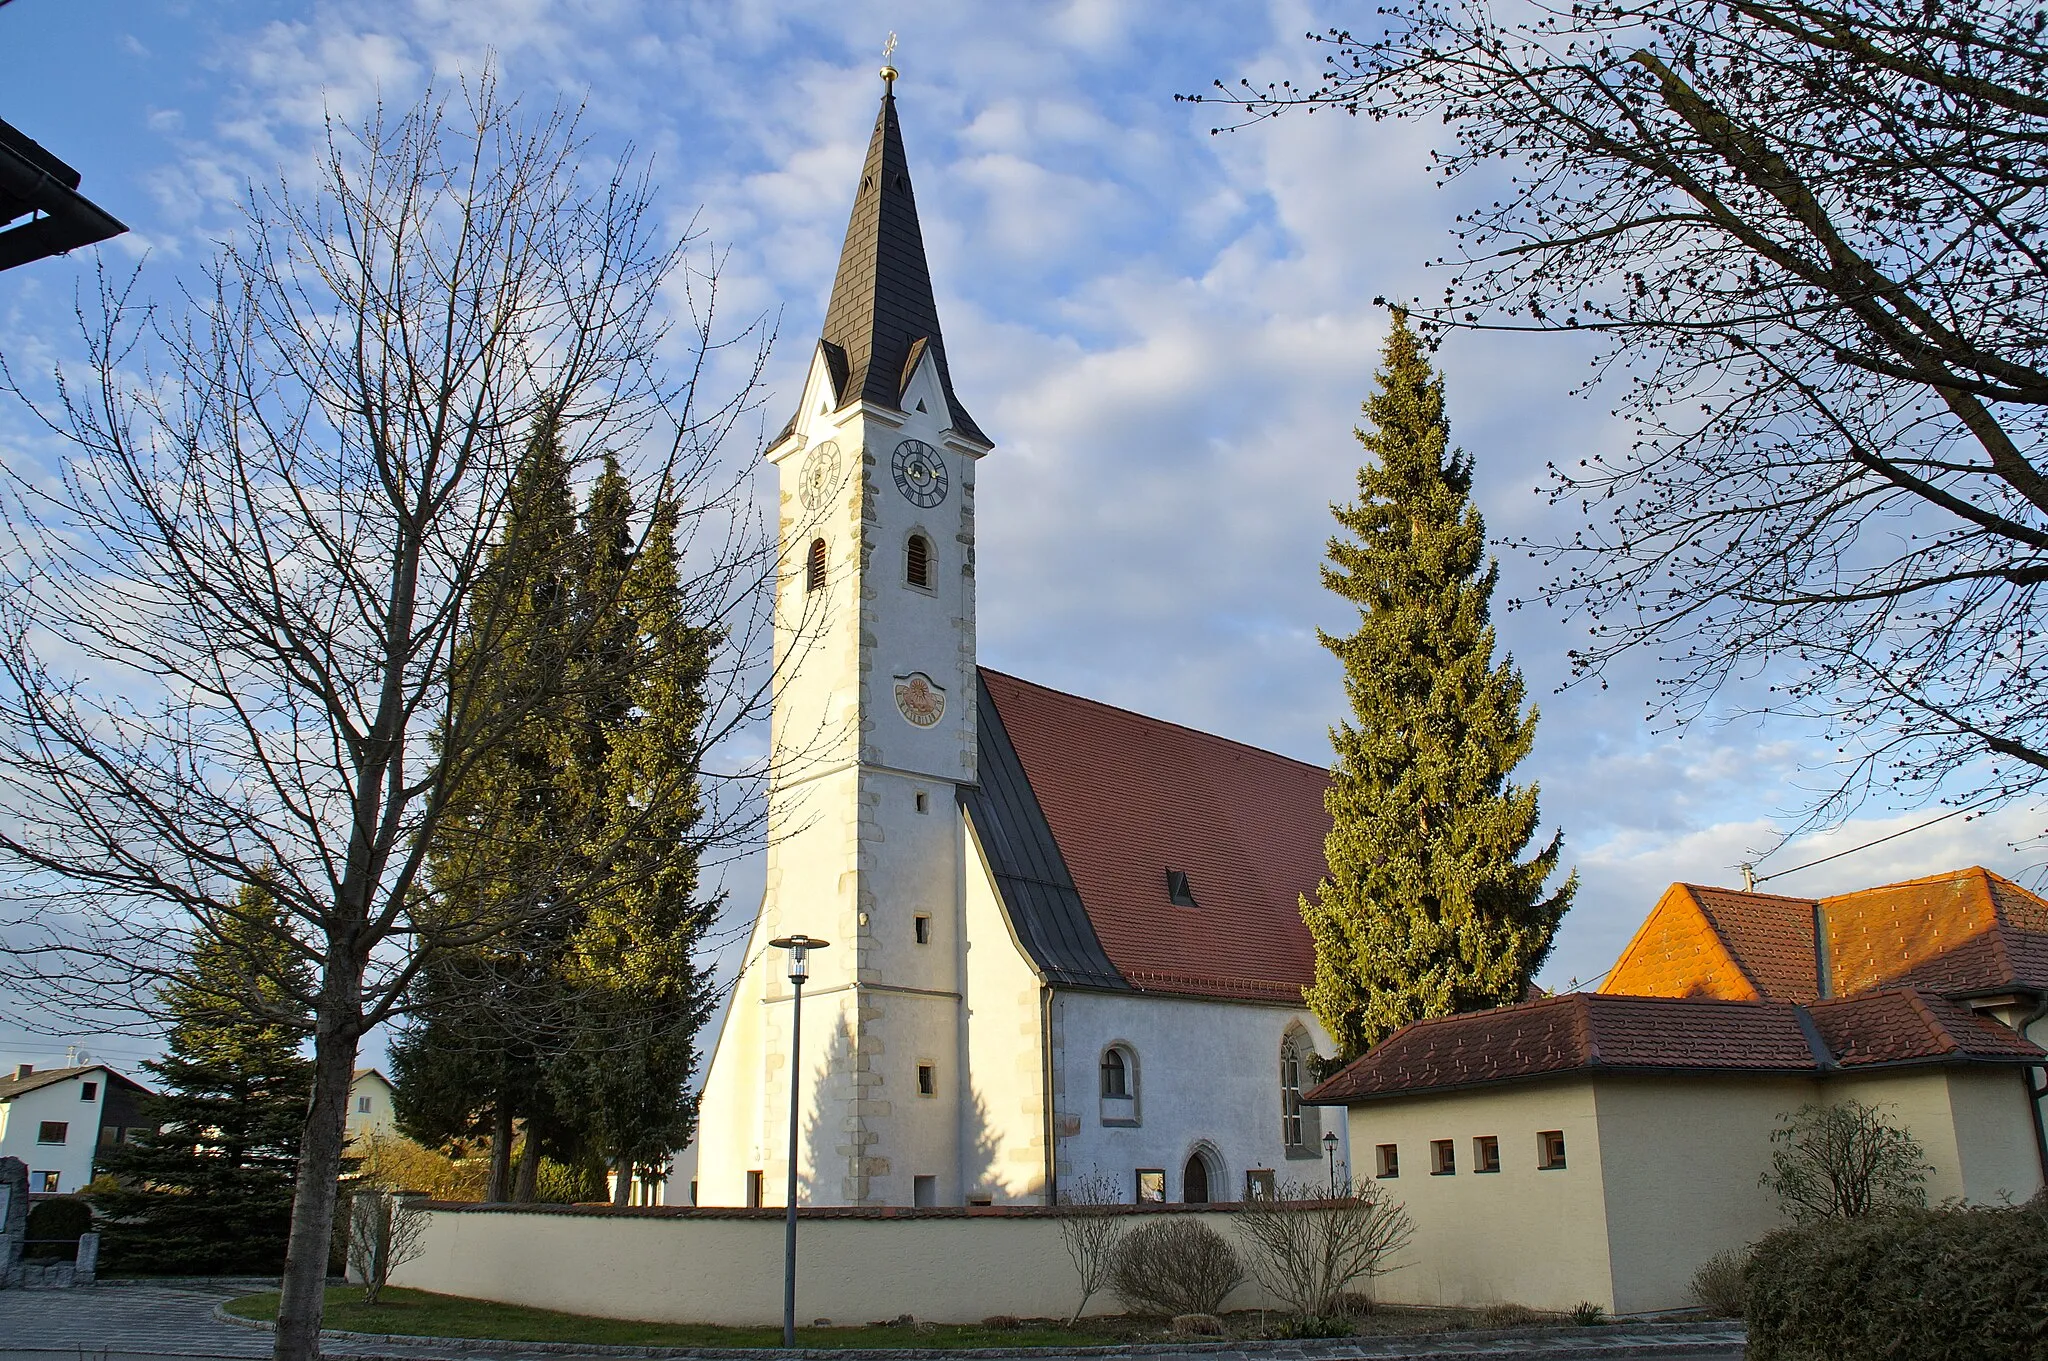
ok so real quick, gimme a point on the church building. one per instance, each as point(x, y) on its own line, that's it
point(1064, 939)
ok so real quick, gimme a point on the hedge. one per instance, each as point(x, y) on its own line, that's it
point(1932, 1284)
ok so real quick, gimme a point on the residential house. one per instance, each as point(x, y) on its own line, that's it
point(369, 1105)
point(56, 1120)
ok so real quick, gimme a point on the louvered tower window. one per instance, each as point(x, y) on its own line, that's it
point(814, 567)
point(917, 562)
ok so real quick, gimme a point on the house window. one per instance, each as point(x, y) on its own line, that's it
point(1550, 1149)
point(1443, 1158)
point(924, 1192)
point(53, 1131)
point(921, 927)
point(1258, 1184)
point(88, 1090)
point(362, 1105)
point(1116, 1074)
point(1486, 1154)
point(927, 1079)
point(46, 1182)
point(814, 566)
point(755, 1184)
point(1389, 1158)
point(1151, 1186)
point(917, 562)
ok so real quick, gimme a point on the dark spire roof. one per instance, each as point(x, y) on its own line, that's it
point(882, 317)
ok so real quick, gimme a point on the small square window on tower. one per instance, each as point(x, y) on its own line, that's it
point(1486, 1153)
point(1389, 1158)
point(921, 928)
point(924, 802)
point(924, 1192)
point(1550, 1149)
point(1443, 1158)
point(1179, 891)
point(927, 1079)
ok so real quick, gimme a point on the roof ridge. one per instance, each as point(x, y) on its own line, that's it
point(1944, 1037)
point(1161, 722)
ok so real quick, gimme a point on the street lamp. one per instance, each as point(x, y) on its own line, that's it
point(1330, 1147)
point(799, 947)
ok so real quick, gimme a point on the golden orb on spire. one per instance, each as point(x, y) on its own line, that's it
point(889, 67)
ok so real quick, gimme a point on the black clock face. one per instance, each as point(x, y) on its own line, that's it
point(920, 473)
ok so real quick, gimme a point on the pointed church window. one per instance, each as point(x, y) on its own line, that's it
point(917, 562)
point(814, 567)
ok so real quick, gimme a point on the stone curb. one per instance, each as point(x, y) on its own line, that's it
point(1694, 1336)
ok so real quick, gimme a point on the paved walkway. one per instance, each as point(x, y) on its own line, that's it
point(136, 1323)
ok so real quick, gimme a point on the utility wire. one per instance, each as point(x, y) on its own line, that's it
point(1892, 836)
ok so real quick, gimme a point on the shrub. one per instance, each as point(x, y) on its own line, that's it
point(1717, 1285)
point(59, 1220)
point(1308, 1247)
point(1588, 1314)
point(1174, 1266)
point(1507, 1315)
point(1844, 1161)
point(1916, 1285)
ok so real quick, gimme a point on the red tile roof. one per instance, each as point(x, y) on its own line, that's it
point(1965, 931)
point(1129, 797)
point(1598, 1032)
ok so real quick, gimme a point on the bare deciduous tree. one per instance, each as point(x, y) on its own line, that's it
point(1809, 234)
point(1308, 1247)
point(229, 615)
point(1090, 1228)
point(386, 1229)
point(1844, 1160)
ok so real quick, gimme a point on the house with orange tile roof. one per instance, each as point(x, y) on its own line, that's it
point(1600, 1146)
point(1065, 938)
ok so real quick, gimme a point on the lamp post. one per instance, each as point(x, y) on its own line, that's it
point(1330, 1147)
point(799, 947)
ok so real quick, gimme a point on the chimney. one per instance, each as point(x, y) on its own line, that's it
point(1823, 958)
point(24, 1070)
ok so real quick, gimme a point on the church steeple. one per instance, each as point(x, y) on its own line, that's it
point(882, 320)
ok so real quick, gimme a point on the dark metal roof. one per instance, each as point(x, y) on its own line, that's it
point(36, 185)
point(1044, 907)
point(882, 315)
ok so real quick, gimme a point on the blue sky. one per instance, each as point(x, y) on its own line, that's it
point(1167, 334)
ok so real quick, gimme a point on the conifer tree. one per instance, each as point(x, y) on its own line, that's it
point(484, 1022)
point(639, 997)
point(1426, 909)
point(206, 1186)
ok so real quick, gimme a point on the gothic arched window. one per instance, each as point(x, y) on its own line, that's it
point(1291, 1063)
point(917, 562)
point(814, 567)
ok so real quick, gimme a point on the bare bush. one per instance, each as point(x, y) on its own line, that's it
point(1307, 1247)
point(1844, 1161)
point(1718, 1284)
point(386, 1230)
point(1090, 1229)
point(1174, 1266)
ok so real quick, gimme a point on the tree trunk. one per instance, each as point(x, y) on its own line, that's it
point(500, 1186)
point(622, 1191)
point(527, 1184)
point(303, 1297)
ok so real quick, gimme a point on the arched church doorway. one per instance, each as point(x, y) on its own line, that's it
point(1195, 1179)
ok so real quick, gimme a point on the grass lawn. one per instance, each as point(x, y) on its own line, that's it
point(415, 1313)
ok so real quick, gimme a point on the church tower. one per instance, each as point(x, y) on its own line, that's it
point(874, 737)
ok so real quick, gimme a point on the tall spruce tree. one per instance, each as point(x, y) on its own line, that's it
point(1427, 909)
point(638, 995)
point(485, 1023)
point(206, 1186)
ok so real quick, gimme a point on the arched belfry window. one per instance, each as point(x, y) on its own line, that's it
point(917, 562)
point(814, 566)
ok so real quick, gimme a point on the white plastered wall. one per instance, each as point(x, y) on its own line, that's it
point(1208, 1077)
point(1004, 1123)
point(21, 1121)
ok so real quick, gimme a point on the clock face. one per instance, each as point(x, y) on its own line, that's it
point(820, 477)
point(920, 473)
